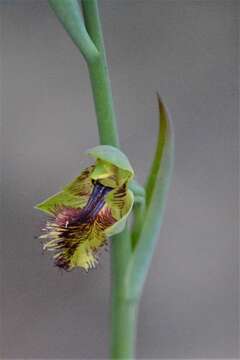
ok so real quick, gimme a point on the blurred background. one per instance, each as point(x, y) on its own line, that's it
point(186, 50)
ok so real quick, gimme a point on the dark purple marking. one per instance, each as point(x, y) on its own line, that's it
point(95, 203)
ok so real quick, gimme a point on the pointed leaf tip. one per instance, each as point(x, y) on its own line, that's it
point(156, 195)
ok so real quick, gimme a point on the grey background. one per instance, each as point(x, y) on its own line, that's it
point(187, 50)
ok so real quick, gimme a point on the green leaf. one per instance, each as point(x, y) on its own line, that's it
point(157, 188)
point(149, 187)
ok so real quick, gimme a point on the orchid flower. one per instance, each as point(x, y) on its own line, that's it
point(88, 210)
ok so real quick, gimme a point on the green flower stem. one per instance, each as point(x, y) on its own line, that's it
point(99, 77)
point(123, 313)
point(69, 14)
point(124, 333)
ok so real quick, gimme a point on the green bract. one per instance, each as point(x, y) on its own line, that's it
point(93, 206)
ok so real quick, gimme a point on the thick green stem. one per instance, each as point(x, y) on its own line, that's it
point(99, 76)
point(123, 313)
point(124, 332)
point(68, 13)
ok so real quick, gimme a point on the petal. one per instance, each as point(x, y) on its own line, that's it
point(120, 202)
point(102, 170)
point(74, 195)
point(81, 185)
point(113, 156)
point(61, 199)
point(109, 175)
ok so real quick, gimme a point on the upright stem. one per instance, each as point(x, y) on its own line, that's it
point(99, 76)
point(123, 312)
point(124, 331)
